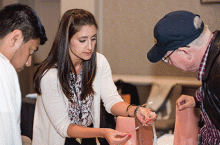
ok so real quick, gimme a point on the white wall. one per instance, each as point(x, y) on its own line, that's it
point(128, 32)
point(126, 28)
point(49, 13)
point(82, 4)
point(7, 2)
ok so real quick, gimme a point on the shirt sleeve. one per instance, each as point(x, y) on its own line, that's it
point(5, 116)
point(10, 100)
point(54, 102)
point(109, 93)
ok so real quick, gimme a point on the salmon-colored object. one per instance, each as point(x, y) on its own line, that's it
point(142, 136)
point(186, 127)
point(126, 98)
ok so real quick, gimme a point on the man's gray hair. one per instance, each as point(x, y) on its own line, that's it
point(200, 40)
point(197, 22)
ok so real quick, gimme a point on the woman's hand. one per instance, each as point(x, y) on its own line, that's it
point(115, 137)
point(185, 101)
point(146, 116)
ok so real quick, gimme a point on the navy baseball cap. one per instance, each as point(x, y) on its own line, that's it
point(174, 30)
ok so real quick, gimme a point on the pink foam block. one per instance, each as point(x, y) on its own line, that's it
point(186, 127)
point(142, 136)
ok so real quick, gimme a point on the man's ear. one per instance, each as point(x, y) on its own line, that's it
point(186, 52)
point(16, 39)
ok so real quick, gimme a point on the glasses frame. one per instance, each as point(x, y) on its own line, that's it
point(167, 58)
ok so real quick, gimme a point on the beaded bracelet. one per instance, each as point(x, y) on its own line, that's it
point(129, 106)
point(135, 111)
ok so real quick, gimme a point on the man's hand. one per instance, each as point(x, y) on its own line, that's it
point(185, 101)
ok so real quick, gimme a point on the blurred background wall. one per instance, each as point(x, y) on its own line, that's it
point(125, 31)
point(128, 32)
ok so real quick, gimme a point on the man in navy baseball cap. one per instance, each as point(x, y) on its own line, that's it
point(174, 30)
point(183, 41)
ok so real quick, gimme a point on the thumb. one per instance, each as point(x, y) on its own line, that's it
point(125, 139)
point(182, 107)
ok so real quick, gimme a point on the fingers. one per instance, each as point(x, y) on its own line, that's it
point(181, 101)
point(124, 139)
point(121, 134)
point(152, 119)
point(146, 116)
point(121, 138)
point(182, 105)
point(185, 101)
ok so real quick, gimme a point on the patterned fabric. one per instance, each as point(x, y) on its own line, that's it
point(77, 105)
point(210, 135)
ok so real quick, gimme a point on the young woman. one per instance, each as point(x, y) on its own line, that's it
point(71, 83)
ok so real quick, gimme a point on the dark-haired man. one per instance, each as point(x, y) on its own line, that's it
point(184, 41)
point(21, 33)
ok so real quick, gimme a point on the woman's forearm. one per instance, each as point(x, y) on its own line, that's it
point(119, 109)
point(77, 131)
point(143, 114)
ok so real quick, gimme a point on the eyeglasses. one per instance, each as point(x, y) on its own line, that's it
point(166, 59)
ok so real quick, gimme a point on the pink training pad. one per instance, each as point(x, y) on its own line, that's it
point(186, 127)
point(142, 136)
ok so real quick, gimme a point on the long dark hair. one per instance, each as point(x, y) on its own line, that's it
point(59, 57)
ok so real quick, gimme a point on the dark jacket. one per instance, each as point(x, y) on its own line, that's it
point(211, 82)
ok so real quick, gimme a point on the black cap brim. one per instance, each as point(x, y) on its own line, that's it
point(155, 54)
